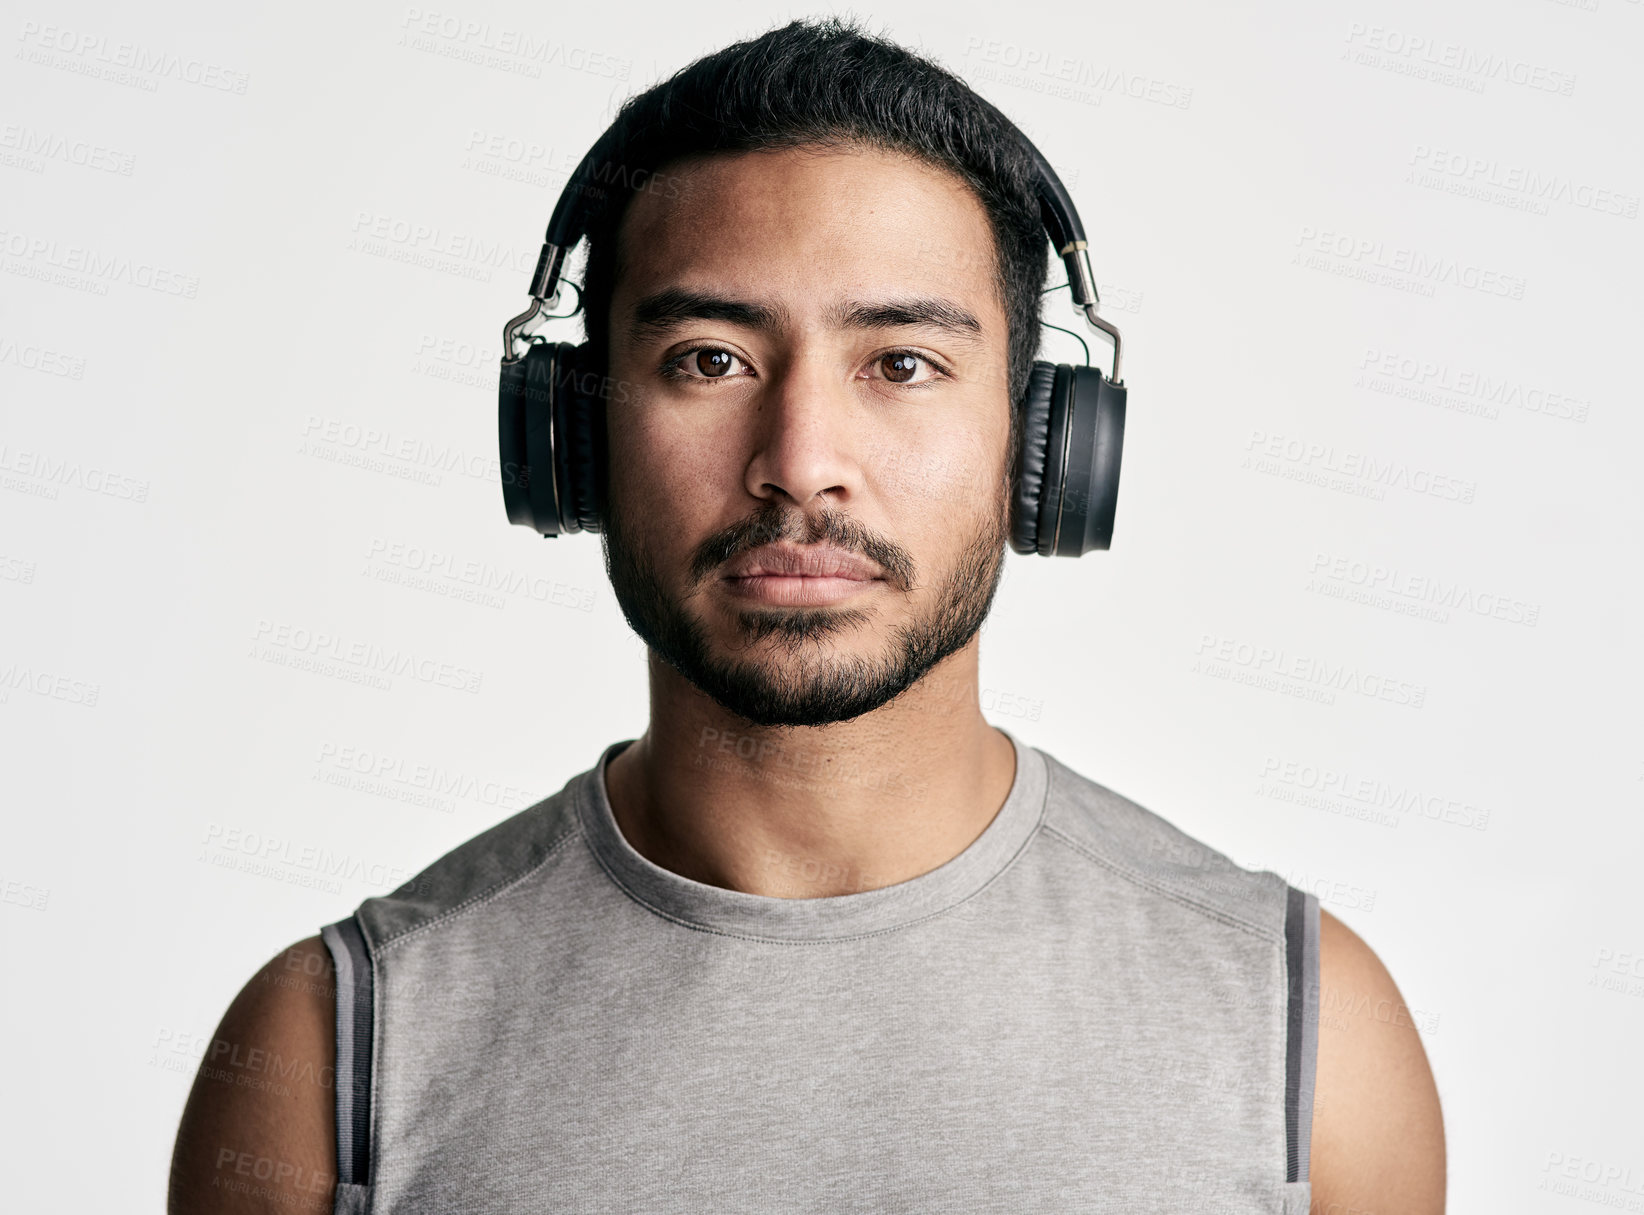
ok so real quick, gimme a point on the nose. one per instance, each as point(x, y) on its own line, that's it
point(804, 443)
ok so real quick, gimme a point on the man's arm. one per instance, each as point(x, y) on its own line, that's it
point(1378, 1134)
point(258, 1133)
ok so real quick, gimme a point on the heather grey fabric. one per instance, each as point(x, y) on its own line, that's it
point(1086, 1010)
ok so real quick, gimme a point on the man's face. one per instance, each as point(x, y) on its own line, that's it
point(809, 353)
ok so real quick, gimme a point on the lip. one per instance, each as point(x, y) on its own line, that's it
point(792, 561)
point(790, 576)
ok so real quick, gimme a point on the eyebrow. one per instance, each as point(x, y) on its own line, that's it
point(931, 313)
point(662, 310)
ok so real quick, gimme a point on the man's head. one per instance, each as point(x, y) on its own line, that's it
point(819, 309)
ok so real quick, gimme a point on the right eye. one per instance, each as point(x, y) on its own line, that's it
point(702, 363)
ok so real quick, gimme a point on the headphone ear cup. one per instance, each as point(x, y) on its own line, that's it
point(579, 441)
point(1081, 490)
point(1027, 486)
point(525, 439)
point(1104, 401)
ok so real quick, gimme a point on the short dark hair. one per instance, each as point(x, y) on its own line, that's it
point(825, 83)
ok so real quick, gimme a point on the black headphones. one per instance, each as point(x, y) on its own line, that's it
point(551, 413)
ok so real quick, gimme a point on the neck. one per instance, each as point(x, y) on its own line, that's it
point(812, 812)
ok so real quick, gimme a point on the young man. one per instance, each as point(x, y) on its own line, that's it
point(822, 939)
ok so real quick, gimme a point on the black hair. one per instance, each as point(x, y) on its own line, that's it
point(824, 83)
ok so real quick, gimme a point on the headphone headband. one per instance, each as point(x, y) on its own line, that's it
point(567, 225)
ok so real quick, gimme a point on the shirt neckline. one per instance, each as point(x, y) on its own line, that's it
point(734, 912)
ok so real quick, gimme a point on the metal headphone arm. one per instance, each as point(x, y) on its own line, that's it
point(1082, 283)
point(544, 295)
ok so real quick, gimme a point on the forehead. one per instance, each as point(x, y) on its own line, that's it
point(828, 222)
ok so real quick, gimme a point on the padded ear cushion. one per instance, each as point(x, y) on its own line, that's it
point(1053, 493)
point(1081, 487)
point(1102, 445)
point(1031, 459)
point(535, 376)
point(579, 424)
point(513, 458)
point(597, 463)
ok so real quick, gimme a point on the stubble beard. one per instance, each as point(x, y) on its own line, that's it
point(801, 683)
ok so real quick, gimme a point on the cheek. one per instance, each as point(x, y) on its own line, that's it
point(666, 466)
point(943, 475)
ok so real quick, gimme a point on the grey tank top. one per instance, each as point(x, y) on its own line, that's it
point(1086, 1010)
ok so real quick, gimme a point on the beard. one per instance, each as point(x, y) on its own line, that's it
point(801, 684)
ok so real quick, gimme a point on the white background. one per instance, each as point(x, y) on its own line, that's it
point(226, 406)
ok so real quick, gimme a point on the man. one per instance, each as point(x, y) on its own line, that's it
point(821, 939)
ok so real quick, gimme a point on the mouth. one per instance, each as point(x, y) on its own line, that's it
point(790, 576)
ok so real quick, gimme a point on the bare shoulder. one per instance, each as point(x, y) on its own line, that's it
point(258, 1131)
point(1378, 1133)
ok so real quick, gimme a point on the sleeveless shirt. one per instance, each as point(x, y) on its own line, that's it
point(1085, 1010)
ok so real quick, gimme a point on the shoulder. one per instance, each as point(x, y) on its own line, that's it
point(258, 1132)
point(1378, 1132)
point(478, 869)
point(1155, 856)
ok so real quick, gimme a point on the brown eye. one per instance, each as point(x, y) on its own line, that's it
point(900, 368)
point(714, 363)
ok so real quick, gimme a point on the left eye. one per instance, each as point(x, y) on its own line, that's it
point(704, 363)
point(902, 367)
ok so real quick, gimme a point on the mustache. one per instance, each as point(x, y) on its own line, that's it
point(828, 526)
